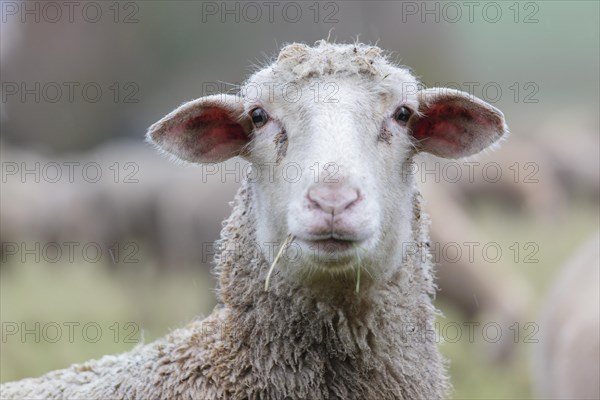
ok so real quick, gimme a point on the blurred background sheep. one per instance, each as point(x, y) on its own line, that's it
point(566, 364)
point(155, 221)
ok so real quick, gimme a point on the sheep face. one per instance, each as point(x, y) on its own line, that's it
point(329, 131)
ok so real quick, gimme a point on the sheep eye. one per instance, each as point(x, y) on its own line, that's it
point(402, 114)
point(259, 117)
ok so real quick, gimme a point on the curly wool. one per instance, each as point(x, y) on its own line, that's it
point(291, 342)
point(302, 61)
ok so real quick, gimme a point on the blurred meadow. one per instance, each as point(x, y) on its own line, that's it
point(140, 226)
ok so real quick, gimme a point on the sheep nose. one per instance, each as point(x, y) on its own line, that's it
point(333, 199)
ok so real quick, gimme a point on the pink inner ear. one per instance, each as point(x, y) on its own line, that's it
point(442, 118)
point(452, 128)
point(210, 137)
point(217, 126)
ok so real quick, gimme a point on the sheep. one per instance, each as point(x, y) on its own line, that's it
point(133, 204)
point(477, 287)
point(527, 181)
point(566, 361)
point(316, 331)
point(573, 160)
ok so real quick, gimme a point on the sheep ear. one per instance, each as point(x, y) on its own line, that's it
point(206, 130)
point(454, 124)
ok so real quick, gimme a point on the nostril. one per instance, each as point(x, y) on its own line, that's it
point(333, 200)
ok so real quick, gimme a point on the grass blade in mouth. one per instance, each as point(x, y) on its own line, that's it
point(284, 246)
point(358, 267)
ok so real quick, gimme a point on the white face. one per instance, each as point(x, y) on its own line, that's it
point(338, 185)
point(330, 129)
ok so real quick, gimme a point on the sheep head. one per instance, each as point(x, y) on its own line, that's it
point(329, 130)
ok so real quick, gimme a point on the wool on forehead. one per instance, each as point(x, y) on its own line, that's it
point(298, 62)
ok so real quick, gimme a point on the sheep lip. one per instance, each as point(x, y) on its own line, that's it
point(330, 244)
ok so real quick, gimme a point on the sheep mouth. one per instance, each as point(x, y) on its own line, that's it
point(329, 253)
point(329, 246)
